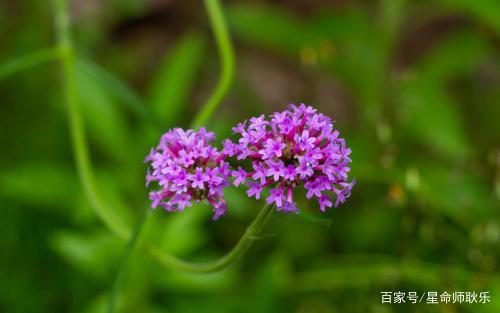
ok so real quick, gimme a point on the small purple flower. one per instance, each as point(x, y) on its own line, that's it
point(276, 196)
point(289, 172)
point(181, 200)
point(254, 190)
point(275, 169)
point(303, 141)
point(288, 207)
point(240, 128)
point(198, 178)
point(258, 122)
point(305, 168)
point(239, 176)
point(324, 201)
point(313, 189)
point(295, 147)
point(259, 172)
point(230, 148)
point(185, 168)
point(272, 148)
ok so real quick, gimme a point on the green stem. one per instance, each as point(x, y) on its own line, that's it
point(26, 61)
point(226, 53)
point(124, 261)
point(77, 132)
point(251, 234)
point(239, 250)
point(108, 80)
point(84, 166)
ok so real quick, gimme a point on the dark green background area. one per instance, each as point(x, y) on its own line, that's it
point(413, 87)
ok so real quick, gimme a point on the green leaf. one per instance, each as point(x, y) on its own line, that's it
point(433, 115)
point(436, 121)
point(26, 61)
point(462, 197)
point(369, 271)
point(357, 50)
point(347, 25)
point(189, 224)
point(106, 124)
point(485, 11)
point(175, 78)
point(272, 275)
point(94, 254)
point(268, 27)
point(116, 86)
point(39, 184)
point(345, 42)
point(163, 229)
point(455, 55)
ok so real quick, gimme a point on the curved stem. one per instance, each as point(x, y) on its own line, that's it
point(251, 234)
point(226, 53)
point(84, 166)
point(124, 261)
point(78, 140)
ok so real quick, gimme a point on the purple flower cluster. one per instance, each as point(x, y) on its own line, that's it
point(186, 167)
point(295, 147)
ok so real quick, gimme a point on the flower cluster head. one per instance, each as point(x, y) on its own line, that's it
point(186, 167)
point(296, 147)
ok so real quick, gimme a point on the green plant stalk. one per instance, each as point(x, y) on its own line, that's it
point(239, 250)
point(77, 132)
point(124, 261)
point(115, 85)
point(226, 53)
point(251, 234)
point(84, 166)
point(26, 61)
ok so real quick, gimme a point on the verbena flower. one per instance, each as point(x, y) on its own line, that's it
point(186, 167)
point(296, 147)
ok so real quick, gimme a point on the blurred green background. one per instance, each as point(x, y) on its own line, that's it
point(412, 85)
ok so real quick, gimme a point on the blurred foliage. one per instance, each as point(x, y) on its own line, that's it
point(175, 78)
point(413, 86)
